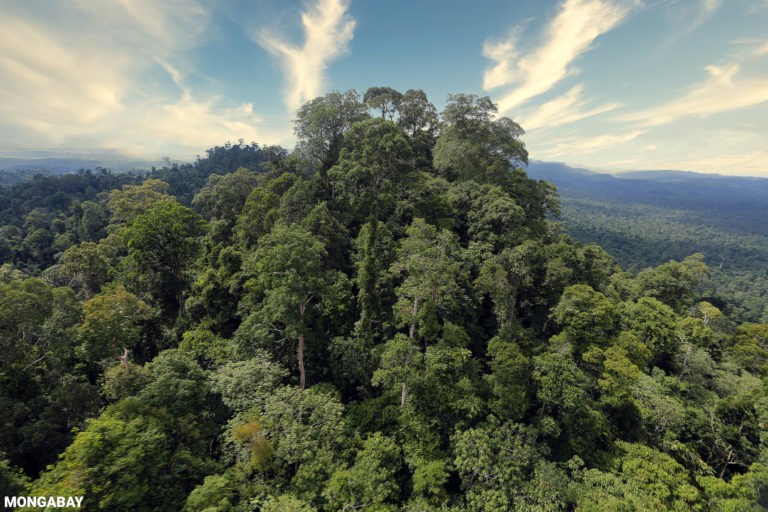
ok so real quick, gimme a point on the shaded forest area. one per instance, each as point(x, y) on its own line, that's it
point(645, 219)
point(385, 318)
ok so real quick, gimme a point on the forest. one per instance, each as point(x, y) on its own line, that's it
point(387, 318)
point(644, 219)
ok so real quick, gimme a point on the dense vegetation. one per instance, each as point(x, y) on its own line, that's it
point(645, 219)
point(383, 319)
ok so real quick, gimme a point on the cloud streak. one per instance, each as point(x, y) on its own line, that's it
point(580, 145)
point(328, 29)
point(570, 34)
point(564, 109)
point(723, 91)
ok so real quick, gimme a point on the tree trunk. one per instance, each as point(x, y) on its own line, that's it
point(124, 361)
point(302, 373)
point(415, 312)
point(405, 388)
point(180, 294)
point(412, 334)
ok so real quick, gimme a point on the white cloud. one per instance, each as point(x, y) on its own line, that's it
point(567, 36)
point(564, 109)
point(757, 6)
point(76, 76)
point(579, 145)
point(328, 30)
point(721, 92)
point(761, 50)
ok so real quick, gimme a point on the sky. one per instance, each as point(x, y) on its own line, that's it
point(609, 85)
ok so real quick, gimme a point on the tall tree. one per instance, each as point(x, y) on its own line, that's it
point(161, 245)
point(374, 166)
point(289, 286)
point(384, 99)
point(321, 123)
point(428, 260)
point(472, 145)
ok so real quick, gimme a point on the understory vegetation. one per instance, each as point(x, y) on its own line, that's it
point(383, 319)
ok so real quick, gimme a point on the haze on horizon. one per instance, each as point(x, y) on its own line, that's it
point(602, 84)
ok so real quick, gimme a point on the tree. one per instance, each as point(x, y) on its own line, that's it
point(375, 253)
point(473, 146)
point(321, 123)
point(289, 286)
point(384, 99)
point(112, 325)
point(133, 457)
point(644, 479)
point(371, 482)
point(428, 259)
point(509, 378)
point(161, 244)
point(309, 436)
point(502, 468)
point(587, 318)
point(417, 114)
point(673, 283)
point(246, 384)
point(135, 200)
point(86, 260)
point(654, 325)
point(223, 197)
point(374, 166)
point(258, 216)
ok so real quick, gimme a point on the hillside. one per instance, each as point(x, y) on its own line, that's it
point(384, 319)
point(646, 218)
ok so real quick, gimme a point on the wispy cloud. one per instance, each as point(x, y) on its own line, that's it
point(76, 76)
point(724, 90)
point(328, 29)
point(687, 17)
point(757, 6)
point(566, 37)
point(568, 108)
point(580, 145)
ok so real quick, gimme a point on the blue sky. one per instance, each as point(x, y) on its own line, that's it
point(606, 84)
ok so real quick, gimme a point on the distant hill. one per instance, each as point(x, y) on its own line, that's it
point(646, 218)
point(17, 169)
point(727, 202)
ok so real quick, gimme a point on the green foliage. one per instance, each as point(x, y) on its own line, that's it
point(133, 457)
point(321, 123)
point(12, 481)
point(290, 287)
point(134, 200)
point(502, 468)
point(645, 479)
point(509, 379)
point(309, 436)
point(111, 325)
point(161, 245)
point(382, 319)
point(586, 317)
point(374, 166)
point(205, 347)
point(654, 325)
point(473, 146)
point(246, 384)
point(370, 483)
